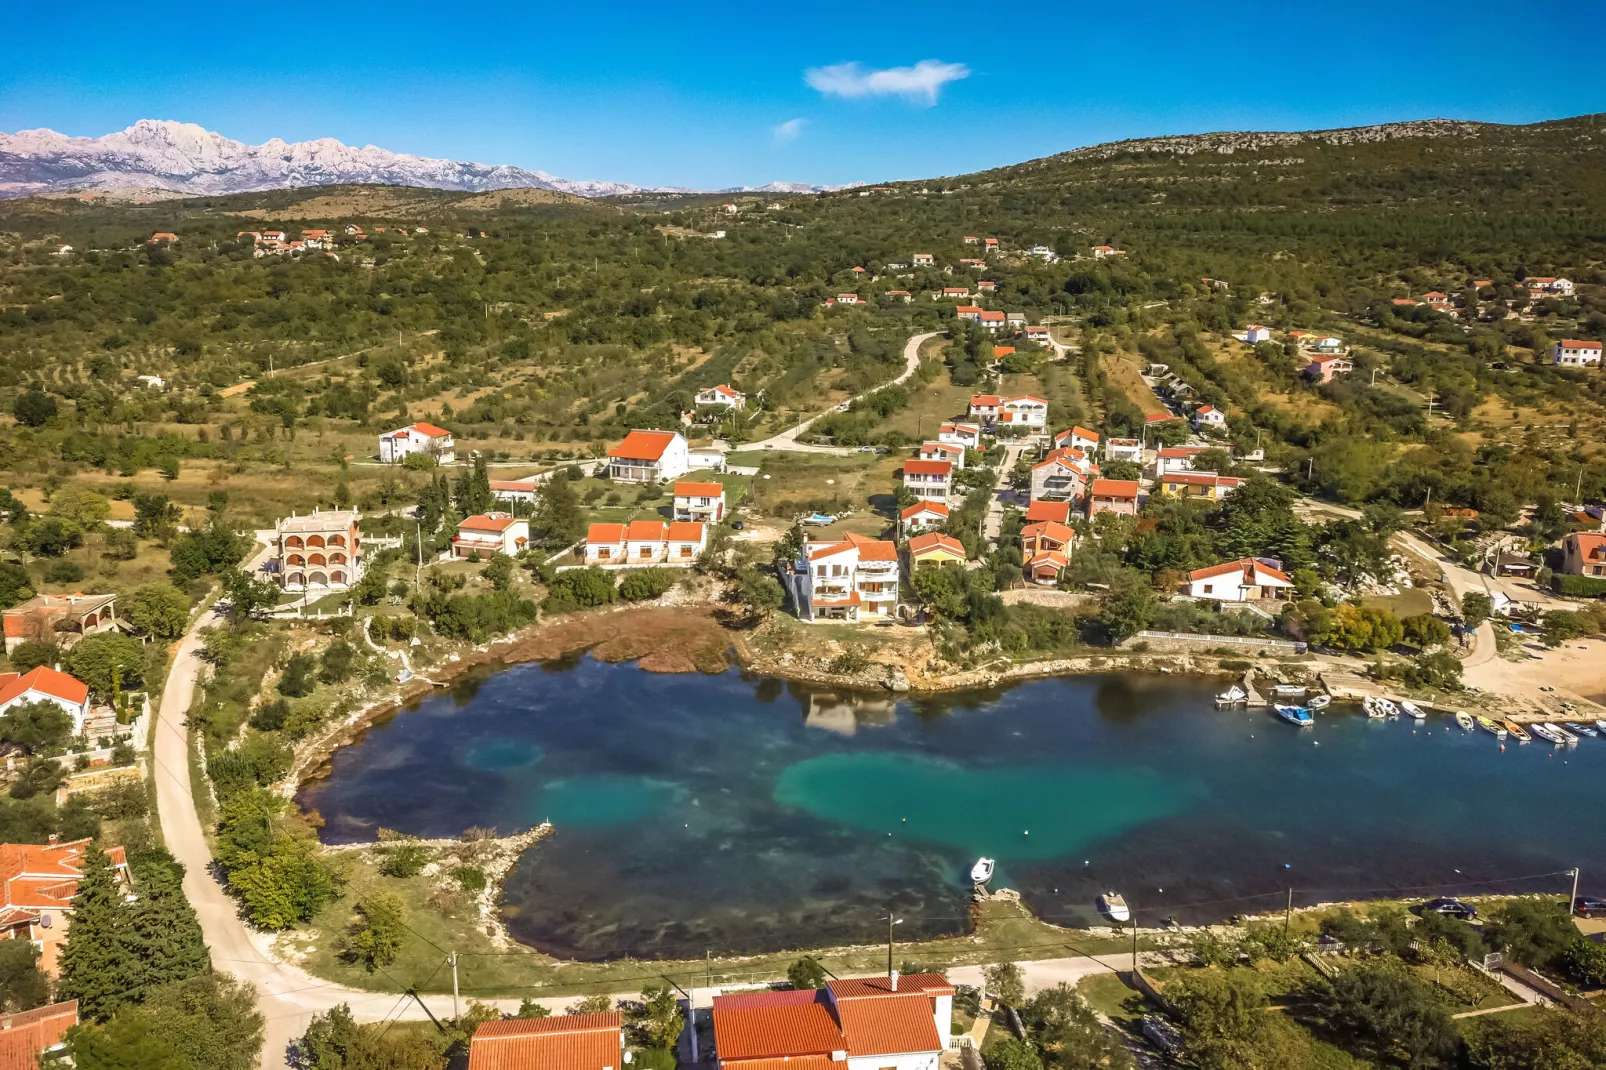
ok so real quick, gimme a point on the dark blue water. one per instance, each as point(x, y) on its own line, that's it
point(735, 813)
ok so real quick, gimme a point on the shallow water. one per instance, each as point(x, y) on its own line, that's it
point(736, 813)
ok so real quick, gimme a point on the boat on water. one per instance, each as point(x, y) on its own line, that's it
point(1295, 715)
point(1490, 726)
point(1519, 733)
point(1374, 708)
point(1582, 729)
point(1112, 906)
point(1464, 719)
point(1600, 725)
point(1319, 702)
point(1290, 689)
point(1232, 696)
point(1547, 732)
point(982, 871)
point(1388, 707)
point(1567, 737)
point(1411, 709)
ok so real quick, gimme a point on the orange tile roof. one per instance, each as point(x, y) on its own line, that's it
point(1048, 529)
point(512, 484)
point(428, 429)
point(1589, 543)
point(646, 531)
point(992, 317)
point(933, 540)
point(1159, 417)
point(482, 522)
point(1203, 479)
point(45, 876)
point(927, 468)
point(45, 681)
point(565, 1042)
point(1179, 451)
point(605, 534)
point(1574, 343)
point(1059, 512)
point(932, 984)
point(699, 490)
point(1052, 558)
point(643, 445)
point(924, 507)
point(686, 531)
point(1115, 488)
point(771, 1029)
point(1253, 571)
point(872, 549)
point(985, 400)
point(25, 1034)
point(1081, 432)
point(891, 1025)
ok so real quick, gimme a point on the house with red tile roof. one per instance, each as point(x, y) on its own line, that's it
point(1324, 369)
point(1583, 553)
point(1246, 580)
point(62, 619)
point(721, 396)
point(1059, 512)
point(1549, 285)
point(605, 544)
point(960, 433)
point(1061, 476)
point(649, 457)
point(646, 542)
point(923, 515)
point(1102, 251)
point(929, 480)
point(1436, 300)
point(1113, 496)
point(1023, 411)
point(1079, 438)
point(1124, 449)
point(984, 407)
point(885, 1023)
point(1575, 353)
point(37, 883)
point(1044, 536)
point(847, 299)
point(1209, 416)
point(903, 295)
point(45, 684)
point(699, 501)
point(26, 1035)
point(1169, 460)
point(935, 548)
point(942, 451)
point(162, 237)
point(561, 1042)
point(923, 259)
point(421, 437)
point(853, 579)
point(485, 534)
point(684, 542)
point(1044, 569)
point(1159, 418)
point(1207, 485)
point(524, 490)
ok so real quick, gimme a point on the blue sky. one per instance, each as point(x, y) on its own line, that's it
point(711, 96)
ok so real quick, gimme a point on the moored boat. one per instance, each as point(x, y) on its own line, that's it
point(1290, 689)
point(1411, 709)
point(1600, 724)
point(1374, 708)
point(1547, 732)
point(1493, 728)
point(1566, 736)
point(1388, 707)
point(1519, 733)
point(1232, 696)
point(982, 871)
point(1464, 719)
point(1582, 729)
point(1112, 906)
point(1295, 715)
point(1319, 702)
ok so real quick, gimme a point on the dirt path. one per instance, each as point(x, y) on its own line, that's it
point(787, 440)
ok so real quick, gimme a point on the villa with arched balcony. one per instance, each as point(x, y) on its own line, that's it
point(319, 551)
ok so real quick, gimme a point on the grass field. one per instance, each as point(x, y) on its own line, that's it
point(1410, 602)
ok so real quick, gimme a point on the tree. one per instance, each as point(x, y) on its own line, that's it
point(23, 985)
point(1546, 1040)
point(1535, 932)
point(247, 595)
point(498, 571)
point(299, 677)
point(1360, 628)
point(1425, 631)
point(96, 967)
point(335, 1041)
point(759, 593)
point(1384, 1015)
point(41, 727)
point(34, 408)
point(1011, 1054)
point(32, 653)
point(335, 665)
point(158, 610)
point(164, 932)
point(109, 663)
point(661, 1022)
point(529, 1008)
point(80, 505)
point(47, 536)
point(806, 972)
point(374, 939)
point(578, 588)
point(155, 516)
point(211, 1018)
point(1585, 962)
point(598, 1004)
point(1475, 608)
point(1127, 609)
point(558, 520)
point(1005, 983)
point(127, 1042)
point(644, 584)
point(1070, 1034)
point(1225, 1025)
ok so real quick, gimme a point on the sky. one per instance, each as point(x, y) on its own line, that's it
point(712, 96)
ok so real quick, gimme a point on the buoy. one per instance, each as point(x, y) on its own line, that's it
point(1287, 866)
point(1028, 832)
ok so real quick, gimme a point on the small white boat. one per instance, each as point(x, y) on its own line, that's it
point(1600, 724)
point(982, 871)
point(1547, 732)
point(1464, 719)
point(1290, 689)
point(1411, 709)
point(1566, 737)
point(1374, 708)
point(1232, 696)
point(1112, 906)
point(1388, 708)
point(1582, 729)
point(1298, 716)
point(1319, 702)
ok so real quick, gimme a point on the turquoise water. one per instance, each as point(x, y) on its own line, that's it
point(737, 813)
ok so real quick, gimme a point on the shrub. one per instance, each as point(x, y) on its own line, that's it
point(64, 571)
point(405, 860)
point(270, 716)
point(1578, 586)
point(578, 588)
point(470, 878)
point(643, 584)
point(298, 679)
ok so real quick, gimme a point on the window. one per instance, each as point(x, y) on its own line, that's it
point(1209, 587)
point(602, 553)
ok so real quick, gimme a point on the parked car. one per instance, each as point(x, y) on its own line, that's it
point(1589, 906)
point(1450, 908)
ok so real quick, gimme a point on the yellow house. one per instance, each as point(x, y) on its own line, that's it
point(1200, 485)
point(934, 548)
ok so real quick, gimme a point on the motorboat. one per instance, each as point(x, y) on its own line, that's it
point(1388, 707)
point(1112, 906)
point(982, 871)
point(1566, 737)
point(1374, 708)
point(1295, 715)
point(1411, 709)
point(1319, 702)
point(1582, 729)
point(1519, 733)
point(1547, 732)
point(1464, 719)
point(1232, 696)
point(1490, 726)
point(1600, 725)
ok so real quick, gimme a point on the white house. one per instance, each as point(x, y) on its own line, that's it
point(959, 433)
point(721, 396)
point(45, 684)
point(847, 299)
point(1573, 353)
point(703, 502)
point(1256, 333)
point(1023, 410)
point(1059, 478)
point(993, 321)
point(874, 1023)
point(417, 438)
point(984, 407)
point(923, 259)
point(151, 382)
point(1209, 416)
point(491, 533)
point(943, 451)
point(922, 516)
point(684, 542)
point(1239, 581)
point(649, 457)
point(516, 490)
point(1170, 459)
point(605, 544)
point(1078, 438)
point(1124, 449)
point(1043, 252)
point(63, 250)
point(646, 542)
point(1549, 285)
point(930, 480)
point(852, 580)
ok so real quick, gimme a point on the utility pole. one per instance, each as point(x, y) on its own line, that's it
point(418, 569)
point(891, 921)
point(1288, 914)
point(452, 958)
point(1573, 902)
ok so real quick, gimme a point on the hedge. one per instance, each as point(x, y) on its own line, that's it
point(1581, 586)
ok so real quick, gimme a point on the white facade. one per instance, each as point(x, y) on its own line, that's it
point(721, 396)
point(1571, 353)
point(960, 434)
point(491, 533)
point(1174, 459)
point(928, 480)
point(1057, 480)
point(700, 501)
point(1023, 411)
point(417, 438)
point(649, 457)
point(856, 579)
point(1209, 416)
point(1124, 449)
point(943, 451)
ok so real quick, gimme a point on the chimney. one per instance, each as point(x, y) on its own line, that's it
point(893, 977)
point(52, 839)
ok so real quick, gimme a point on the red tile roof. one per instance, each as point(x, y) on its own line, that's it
point(643, 445)
point(605, 534)
point(39, 876)
point(924, 507)
point(25, 1034)
point(1115, 488)
point(1179, 451)
point(1048, 529)
point(1254, 572)
point(1590, 544)
point(932, 984)
point(933, 540)
point(1081, 432)
point(567, 1042)
point(1203, 479)
point(928, 468)
point(482, 522)
point(1059, 512)
point(646, 531)
point(749, 1029)
point(45, 681)
point(891, 1025)
point(1159, 417)
point(699, 490)
point(985, 400)
point(1049, 558)
point(686, 531)
point(1573, 343)
point(427, 429)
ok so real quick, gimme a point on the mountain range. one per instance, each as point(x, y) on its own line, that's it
point(184, 158)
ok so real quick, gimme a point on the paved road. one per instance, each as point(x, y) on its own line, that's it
point(787, 440)
point(994, 522)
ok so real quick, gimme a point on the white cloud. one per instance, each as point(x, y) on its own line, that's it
point(787, 131)
point(919, 84)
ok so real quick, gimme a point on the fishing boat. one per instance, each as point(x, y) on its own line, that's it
point(1374, 708)
point(1411, 709)
point(1600, 725)
point(1290, 689)
point(1112, 906)
point(1295, 715)
point(982, 871)
point(1233, 696)
point(1464, 719)
point(1388, 708)
point(1519, 733)
point(1319, 702)
point(1582, 729)
point(1490, 726)
point(1547, 732)
point(1566, 737)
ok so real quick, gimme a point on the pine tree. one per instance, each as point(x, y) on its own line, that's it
point(558, 517)
point(96, 967)
point(165, 935)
